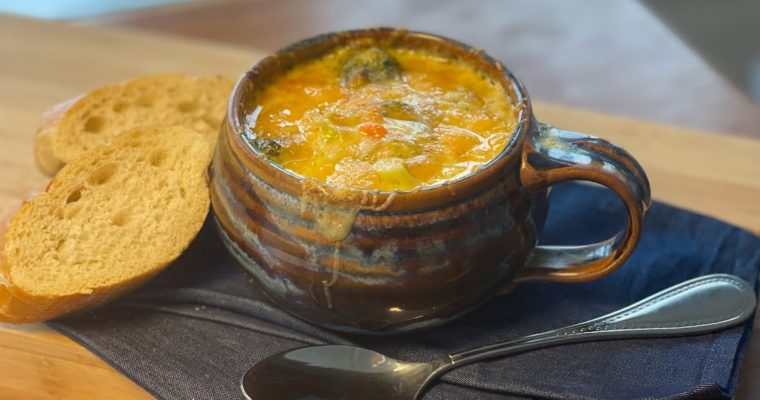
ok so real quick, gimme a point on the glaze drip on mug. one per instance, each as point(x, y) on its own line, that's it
point(384, 119)
point(333, 210)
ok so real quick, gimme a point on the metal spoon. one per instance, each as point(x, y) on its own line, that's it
point(705, 304)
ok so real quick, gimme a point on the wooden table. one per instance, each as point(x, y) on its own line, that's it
point(43, 63)
point(610, 56)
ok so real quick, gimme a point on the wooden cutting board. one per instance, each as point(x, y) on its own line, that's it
point(44, 63)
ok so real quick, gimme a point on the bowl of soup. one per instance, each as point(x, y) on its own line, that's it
point(383, 180)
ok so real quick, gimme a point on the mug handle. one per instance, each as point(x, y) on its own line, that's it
point(555, 156)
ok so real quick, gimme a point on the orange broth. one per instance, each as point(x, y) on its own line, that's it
point(402, 120)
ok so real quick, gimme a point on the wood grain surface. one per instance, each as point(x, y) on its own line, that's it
point(610, 56)
point(44, 63)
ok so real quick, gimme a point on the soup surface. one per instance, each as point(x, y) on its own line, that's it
point(382, 119)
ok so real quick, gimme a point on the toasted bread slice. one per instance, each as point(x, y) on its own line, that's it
point(73, 127)
point(107, 222)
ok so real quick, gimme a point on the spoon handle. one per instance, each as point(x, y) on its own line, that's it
point(704, 304)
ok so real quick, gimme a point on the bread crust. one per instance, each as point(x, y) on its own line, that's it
point(44, 155)
point(19, 307)
point(51, 152)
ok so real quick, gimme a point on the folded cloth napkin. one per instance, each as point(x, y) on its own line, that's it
point(194, 331)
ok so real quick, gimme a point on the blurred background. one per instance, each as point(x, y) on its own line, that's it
point(694, 63)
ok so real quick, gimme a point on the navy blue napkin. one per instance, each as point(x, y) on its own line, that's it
point(193, 331)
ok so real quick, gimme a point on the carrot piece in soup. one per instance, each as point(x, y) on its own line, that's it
point(373, 129)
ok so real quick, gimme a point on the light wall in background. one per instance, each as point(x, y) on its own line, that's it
point(67, 9)
point(725, 33)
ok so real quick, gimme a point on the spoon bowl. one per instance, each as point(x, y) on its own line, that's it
point(337, 372)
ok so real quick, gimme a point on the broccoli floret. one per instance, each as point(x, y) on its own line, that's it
point(371, 65)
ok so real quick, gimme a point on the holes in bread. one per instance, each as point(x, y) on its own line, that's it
point(60, 244)
point(94, 124)
point(74, 196)
point(62, 247)
point(120, 218)
point(145, 101)
point(71, 210)
point(187, 106)
point(102, 175)
point(158, 157)
point(182, 192)
point(120, 106)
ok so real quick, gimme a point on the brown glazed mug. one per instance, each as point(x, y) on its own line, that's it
point(411, 259)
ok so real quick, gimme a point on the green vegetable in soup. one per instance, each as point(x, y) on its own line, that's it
point(371, 65)
point(328, 133)
point(399, 110)
point(393, 148)
point(269, 147)
point(393, 174)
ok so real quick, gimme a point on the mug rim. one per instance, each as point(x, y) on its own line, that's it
point(479, 178)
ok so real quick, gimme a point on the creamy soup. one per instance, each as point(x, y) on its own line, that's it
point(382, 119)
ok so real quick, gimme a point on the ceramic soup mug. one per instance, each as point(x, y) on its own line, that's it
point(410, 259)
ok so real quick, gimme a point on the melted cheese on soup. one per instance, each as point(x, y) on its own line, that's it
point(382, 119)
